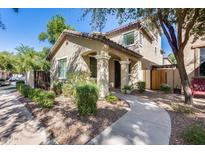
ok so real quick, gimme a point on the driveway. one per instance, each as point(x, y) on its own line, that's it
point(17, 125)
point(145, 123)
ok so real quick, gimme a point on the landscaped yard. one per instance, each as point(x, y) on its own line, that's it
point(182, 117)
point(68, 127)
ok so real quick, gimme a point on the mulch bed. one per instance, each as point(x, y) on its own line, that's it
point(68, 127)
point(179, 121)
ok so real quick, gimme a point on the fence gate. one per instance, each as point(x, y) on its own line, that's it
point(158, 77)
point(42, 80)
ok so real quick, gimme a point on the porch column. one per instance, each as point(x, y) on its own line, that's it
point(124, 72)
point(103, 73)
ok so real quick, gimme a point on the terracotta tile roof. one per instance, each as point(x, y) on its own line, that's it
point(92, 36)
point(124, 27)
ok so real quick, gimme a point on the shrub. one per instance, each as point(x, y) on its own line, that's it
point(126, 89)
point(66, 89)
point(141, 86)
point(165, 88)
point(111, 98)
point(44, 98)
point(194, 134)
point(86, 98)
point(19, 84)
point(75, 79)
point(57, 87)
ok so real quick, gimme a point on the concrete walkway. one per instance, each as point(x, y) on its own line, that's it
point(17, 126)
point(145, 123)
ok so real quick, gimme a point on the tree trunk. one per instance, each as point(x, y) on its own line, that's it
point(184, 79)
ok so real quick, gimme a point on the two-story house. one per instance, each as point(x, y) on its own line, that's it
point(117, 58)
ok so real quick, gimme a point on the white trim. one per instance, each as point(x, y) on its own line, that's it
point(57, 59)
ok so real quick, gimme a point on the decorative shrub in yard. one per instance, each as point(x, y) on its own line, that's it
point(141, 86)
point(127, 89)
point(194, 134)
point(165, 88)
point(86, 98)
point(66, 89)
point(111, 98)
point(75, 79)
point(44, 98)
point(57, 87)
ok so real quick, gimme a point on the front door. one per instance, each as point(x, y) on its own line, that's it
point(117, 74)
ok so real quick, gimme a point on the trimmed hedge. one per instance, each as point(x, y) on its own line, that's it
point(141, 86)
point(86, 98)
point(44, 98)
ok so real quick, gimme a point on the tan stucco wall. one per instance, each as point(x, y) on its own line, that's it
point(189, 56)
point(147, 49)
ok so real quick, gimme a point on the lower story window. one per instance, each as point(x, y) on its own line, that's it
point(62, 68)
point(202, 62)
point(93, 67)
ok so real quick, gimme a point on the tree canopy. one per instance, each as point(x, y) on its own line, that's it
point(177, 24)
point(172, 58)
point(24, 60)
point(55, 27)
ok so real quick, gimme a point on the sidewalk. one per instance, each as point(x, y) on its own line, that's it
point(17, 125)
point(145, 123)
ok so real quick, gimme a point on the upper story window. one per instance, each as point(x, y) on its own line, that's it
point(62, 68)
point(202, 62)
point(128, 38)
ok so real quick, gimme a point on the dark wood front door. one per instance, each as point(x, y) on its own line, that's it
point(117, 74)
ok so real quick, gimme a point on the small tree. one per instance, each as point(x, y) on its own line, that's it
point(55, 27)
point(177, 25)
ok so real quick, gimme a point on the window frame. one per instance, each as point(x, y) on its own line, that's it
point(58, 61)
point(200, 61)
point(123, 34)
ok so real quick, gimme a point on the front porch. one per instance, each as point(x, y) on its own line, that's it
point(112, 69)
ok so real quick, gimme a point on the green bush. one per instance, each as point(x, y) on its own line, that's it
point(44, 98)
point(141, 86)
point(86, 98)
point(126, 89)
point(111, 98)
point(19, 84)
point(194, 135)
point(57, 87)
point(165, 88)
point(75, 79)
point(66, 89)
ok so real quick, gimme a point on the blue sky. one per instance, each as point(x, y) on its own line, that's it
point(24, 27)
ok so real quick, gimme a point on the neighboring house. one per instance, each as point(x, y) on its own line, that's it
point(194, 58)
point(117, 58)
point(4, 74)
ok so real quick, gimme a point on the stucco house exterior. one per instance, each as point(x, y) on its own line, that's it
point(117, 58)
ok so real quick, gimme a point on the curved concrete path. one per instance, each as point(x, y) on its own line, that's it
point(145, 123)
point(17, 125)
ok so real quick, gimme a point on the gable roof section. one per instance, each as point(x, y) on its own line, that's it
point(131, 26)
point(92, 36)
